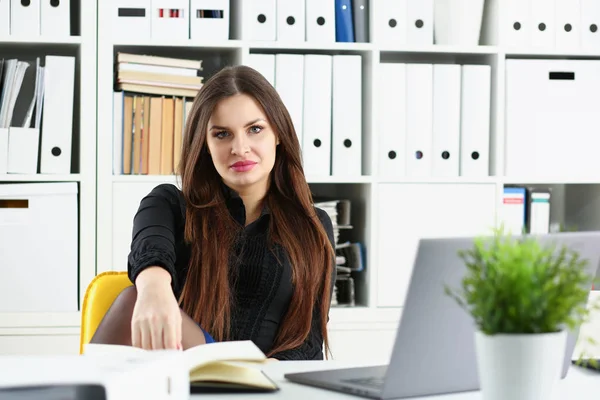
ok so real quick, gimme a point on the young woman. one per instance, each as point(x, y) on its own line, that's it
point(240, 251)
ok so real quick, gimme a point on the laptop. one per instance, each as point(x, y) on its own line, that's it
point(434, 349)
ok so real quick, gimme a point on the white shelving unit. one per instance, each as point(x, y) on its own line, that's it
point(59, 332)
point(387, 213)
point(383, 208)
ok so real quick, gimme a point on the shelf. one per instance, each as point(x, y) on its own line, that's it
point(40, 178)
point(439, 49)
point(335, 46)
point(174, 179)
point(551, 53)
point(451, 180)
point(229, 44)
point(40, 320)
point(71, 40)
point(550, 181)
point(339, 179)
point(327, 179)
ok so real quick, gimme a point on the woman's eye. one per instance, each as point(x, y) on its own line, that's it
point(220, 135)
point(256, 129)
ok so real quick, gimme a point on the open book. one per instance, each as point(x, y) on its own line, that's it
point(219, 366)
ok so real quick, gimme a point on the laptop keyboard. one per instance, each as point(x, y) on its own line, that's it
point(374, 382)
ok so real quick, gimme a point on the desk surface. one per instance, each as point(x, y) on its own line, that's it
point(578, 384)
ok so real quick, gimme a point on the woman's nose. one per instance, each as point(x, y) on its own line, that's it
point(240, 145)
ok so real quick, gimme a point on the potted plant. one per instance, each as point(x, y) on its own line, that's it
point(458, 22)
point(523, 297)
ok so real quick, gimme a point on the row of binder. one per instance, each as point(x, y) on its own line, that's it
point(561, 24)
point(323, 94)
point(525, 210)
point(36, 115)
point(433, 120)
point(305, 20)
point(148, 133)
point(28, 19)
point(170, 19)
point(281, 20)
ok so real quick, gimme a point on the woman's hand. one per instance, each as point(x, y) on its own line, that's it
point(156, 320)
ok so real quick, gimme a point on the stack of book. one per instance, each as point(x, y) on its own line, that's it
point(349, 257)
point(154, 75)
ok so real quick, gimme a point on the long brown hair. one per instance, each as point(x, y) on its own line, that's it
point(211, 230)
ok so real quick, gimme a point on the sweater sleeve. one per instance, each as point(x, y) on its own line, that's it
point(156, 226)
point(312, 348)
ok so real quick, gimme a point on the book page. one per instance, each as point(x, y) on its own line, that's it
point(232, 373)
point(244, 350)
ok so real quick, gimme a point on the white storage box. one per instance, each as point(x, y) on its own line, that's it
point(38, 247)
point(552, 119)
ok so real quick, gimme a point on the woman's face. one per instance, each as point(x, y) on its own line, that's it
point(241, 143)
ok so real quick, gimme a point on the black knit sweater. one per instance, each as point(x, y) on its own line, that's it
point(262, 288)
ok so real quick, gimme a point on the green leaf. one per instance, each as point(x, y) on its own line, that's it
point(514, 284)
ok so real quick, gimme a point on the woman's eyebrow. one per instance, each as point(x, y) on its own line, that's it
point(248, 124)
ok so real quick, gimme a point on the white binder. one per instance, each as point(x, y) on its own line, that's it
point(507, 23)
point(3, 150)
point(316, 145)
point(419, 25)
point(390, 22)
point(265, 64)
point(170, 19)
point(291, 21)
point(4, 18)
point(568, 24)
point(320, 21)
point(419, 119)
point(391, 121)
point(446, 120)
point(543, 23)
point(23, 150)
point(475, 120)
point(346, 150)
point(259, 20)
point(131, 19)
point(590, 25)
point(57, 120)
point(289, 82)
point(55, 18)
point(24, 18)
point(209, 18)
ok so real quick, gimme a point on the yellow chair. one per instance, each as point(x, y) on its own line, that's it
point(99, 296)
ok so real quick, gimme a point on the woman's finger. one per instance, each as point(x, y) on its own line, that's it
point(170, 336)
point(179, 330)
point(146, 335)
point(136, 336)
point(156, 332)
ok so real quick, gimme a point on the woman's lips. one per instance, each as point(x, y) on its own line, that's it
point(243, 166)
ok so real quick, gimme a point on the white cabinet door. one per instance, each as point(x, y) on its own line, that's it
point(408, 212)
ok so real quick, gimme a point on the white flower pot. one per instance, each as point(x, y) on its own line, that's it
point(519, 367)
point(458, 22)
